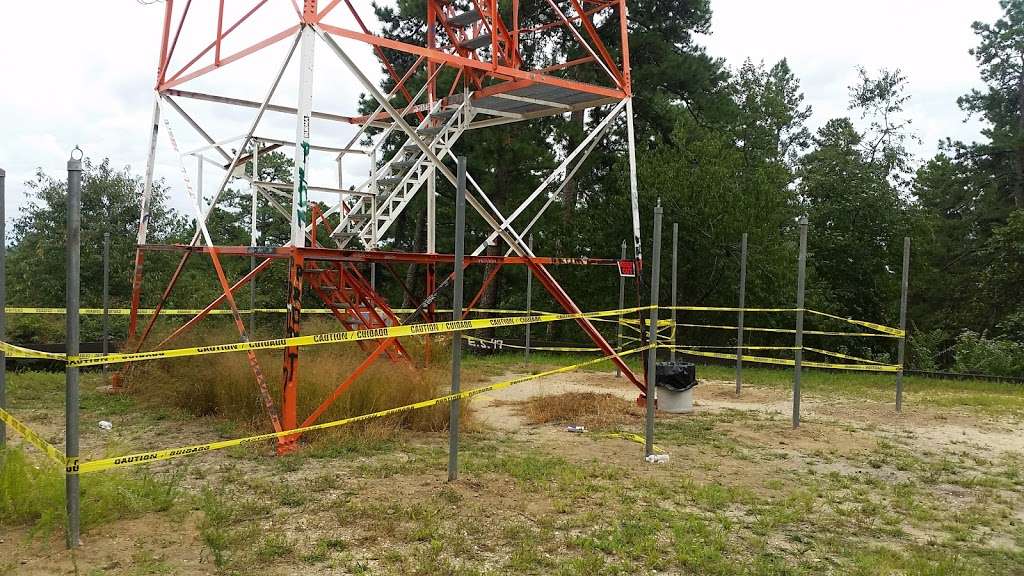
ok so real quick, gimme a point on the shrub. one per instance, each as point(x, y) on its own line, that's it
point(924, 348)
point(976, 354)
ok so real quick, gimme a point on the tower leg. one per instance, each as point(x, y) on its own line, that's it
point(290, 387)
point(147, 192)
point(431, 309)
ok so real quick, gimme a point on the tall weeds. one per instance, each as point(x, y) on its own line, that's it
point(223, 384)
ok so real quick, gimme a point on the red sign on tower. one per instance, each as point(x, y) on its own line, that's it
point(627, 268)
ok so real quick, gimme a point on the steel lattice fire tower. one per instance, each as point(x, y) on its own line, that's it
point(472, 39)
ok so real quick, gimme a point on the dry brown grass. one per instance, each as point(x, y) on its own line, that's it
point(591, 409)
point(223, 384)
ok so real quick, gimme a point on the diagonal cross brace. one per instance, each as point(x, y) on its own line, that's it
point(509, 236)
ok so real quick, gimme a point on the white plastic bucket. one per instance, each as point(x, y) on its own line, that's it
point(675, 402)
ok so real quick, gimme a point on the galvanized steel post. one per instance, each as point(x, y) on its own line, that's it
point(460, 254)
point(74, 246)
point(739, 319)
point(529, 301)
point(106, 301)
point(622, 303)
point(652, 354)
point(675, 280)
point(798, 345)
point(902, 344)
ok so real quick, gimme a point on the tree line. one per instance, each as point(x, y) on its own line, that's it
point(727, 150)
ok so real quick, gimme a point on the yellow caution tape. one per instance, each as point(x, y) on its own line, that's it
point(871, 325)
point(12, 351)
point(788, 362)
point(744, 347)
point(327, 338)
point(896, 332)
point(78, 466)
point(727, 309)
point(113, 311)
point(633, 438)
point(33, 438)
point(663, 322)
point(791, 331)
point(843, 356)
point(636, 329)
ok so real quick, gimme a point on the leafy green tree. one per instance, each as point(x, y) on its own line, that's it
point(956, 214)
point(1000, 55)
point(718, 181)
point(881, 101)
point(675, 83)
point(506, 161)
point(1003, 279)
point(230, 221)
point(36, 261)
point(852, 185)
point(772, 114)
point(969, 195)
point(671, 71)
point(857, 223)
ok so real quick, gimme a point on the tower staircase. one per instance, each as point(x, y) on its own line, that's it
point(393, 185)
point(351, 299)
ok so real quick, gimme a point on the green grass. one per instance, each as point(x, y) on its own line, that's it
point(563, 514)
point(724, 505)
point(813, 380)
point(32, 493)
point(230, 528)
point(35, 390)
point(987, 396)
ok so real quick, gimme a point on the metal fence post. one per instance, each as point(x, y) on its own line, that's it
point(3, 303)
point(460, 249)
point(739, 315)
point(902, 344)
point(74, 242)
point(106, 301)
point(798, 345)
point(652, 354)
point(529, 302)
point(622, 303)
point(675, 279)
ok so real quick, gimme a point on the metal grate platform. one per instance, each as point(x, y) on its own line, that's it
point(537, 100)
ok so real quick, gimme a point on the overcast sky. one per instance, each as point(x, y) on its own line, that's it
point(85, 75)
point(824, 42)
